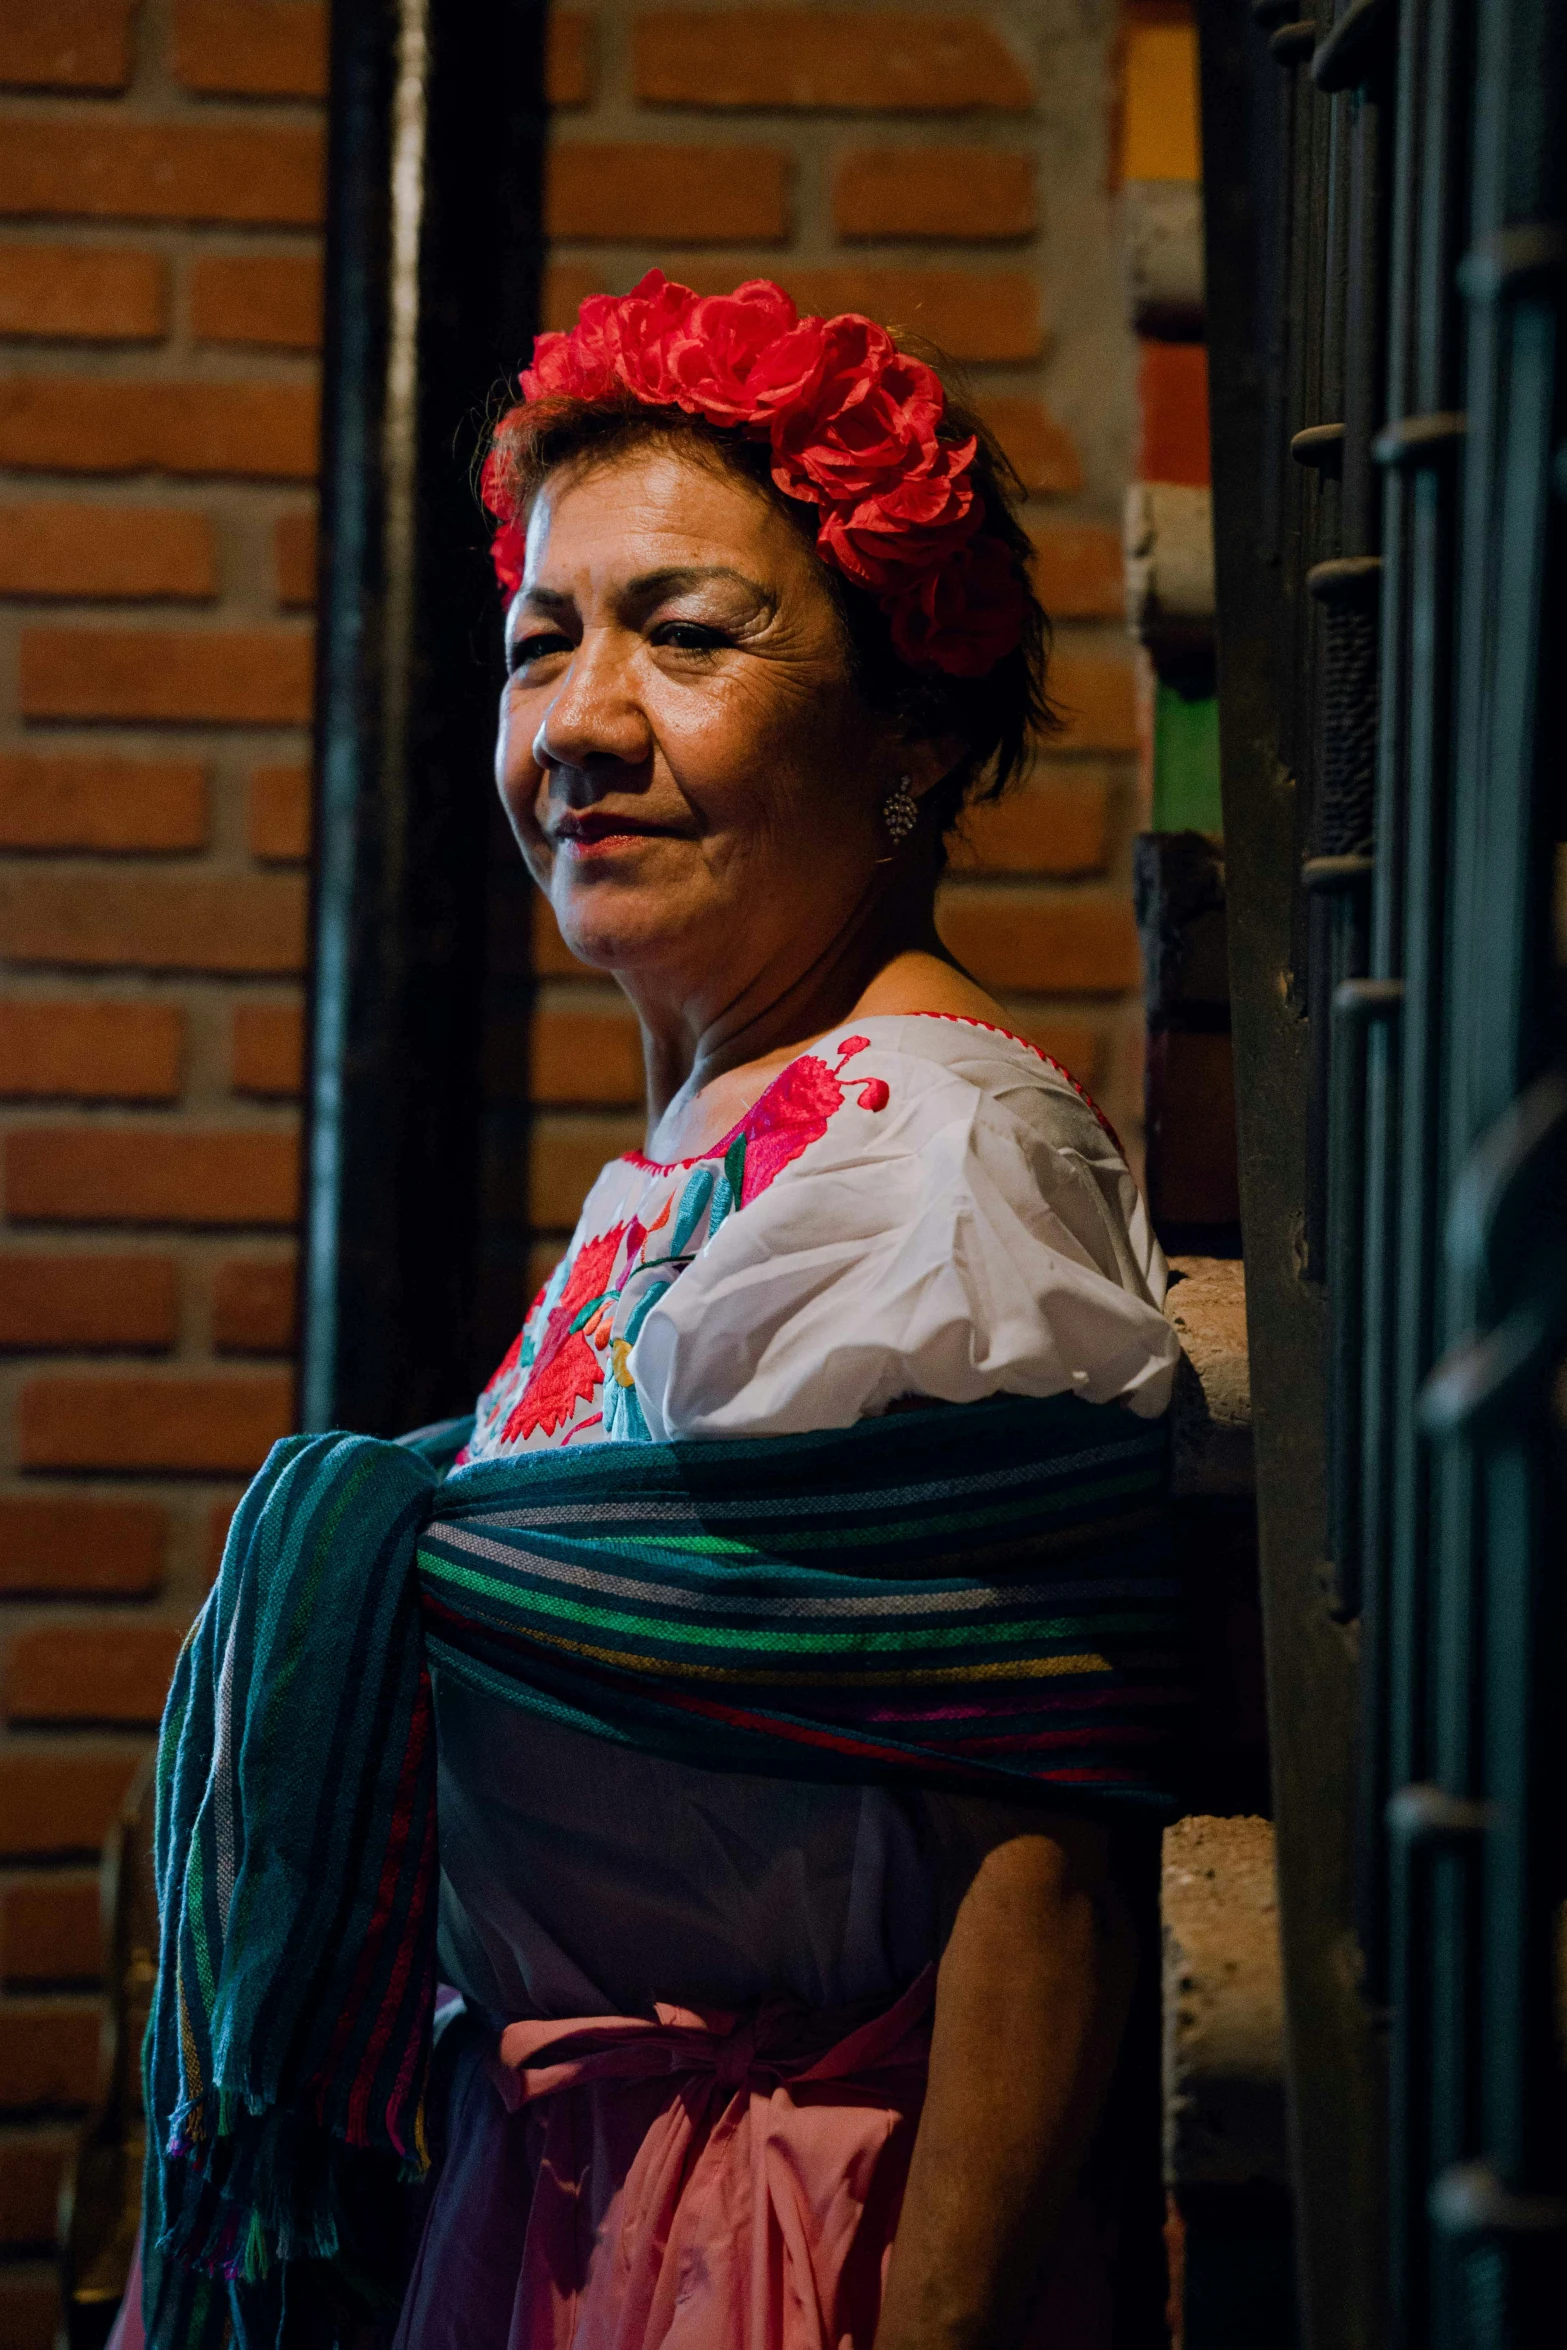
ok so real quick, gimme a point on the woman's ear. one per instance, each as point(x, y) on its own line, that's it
point(928, 761)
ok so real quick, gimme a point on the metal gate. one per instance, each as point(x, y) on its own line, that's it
point(1387, 236)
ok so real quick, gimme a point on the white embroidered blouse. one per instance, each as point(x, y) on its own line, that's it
point(916, 1207)
point(920, 1206)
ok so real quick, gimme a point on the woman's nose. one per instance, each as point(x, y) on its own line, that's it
point(594, 716)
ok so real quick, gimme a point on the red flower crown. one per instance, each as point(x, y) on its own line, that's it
point(854, 426)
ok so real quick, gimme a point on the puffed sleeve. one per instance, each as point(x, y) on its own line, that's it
point(957, 1243)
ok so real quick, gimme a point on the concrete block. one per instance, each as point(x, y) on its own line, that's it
point(1168, 543)
point(1162, 258)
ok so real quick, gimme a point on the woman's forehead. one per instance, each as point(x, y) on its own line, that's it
point(651, 509)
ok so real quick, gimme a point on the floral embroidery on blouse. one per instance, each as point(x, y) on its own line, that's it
point(574, 1349)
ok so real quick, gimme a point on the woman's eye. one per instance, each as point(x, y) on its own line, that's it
point(528, 649)
point(689, 636)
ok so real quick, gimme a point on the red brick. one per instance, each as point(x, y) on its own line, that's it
point(82, 293)
point(203, 1426)
point(251, 48)
point(251, 923)
point(50, 803)
point(269, 1050)
point(1043, 451)
point(115, 1672)
point(586, 1056)
point(30, 2313)
point(968, 313)
point(934, 192)
point(564, 1156)
point(51, 1931)
point(1071, 945)
point(49, 1300)
point(253, 1305)
point(55, 1800)
point(64, 1546)
point(1172, 391)
point(255, 431)
point(294, 559)
point(96, 167)
point(1097, 700)
point(66, 44)
point(152, 1175)
point(87, 1049)
point(32, 2168)
point(53, 548)
point(1041, 828)
point(880, 60)
point(224, 677)
point(552, 958)
point(567, 285)
point(1079, 571)
point(1074, 1044)
point(272, 298)
point(699, 195)
point(49, 2051)
point(568, 58)
point(278, 816)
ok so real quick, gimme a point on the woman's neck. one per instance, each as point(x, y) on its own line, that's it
point(706, 1065)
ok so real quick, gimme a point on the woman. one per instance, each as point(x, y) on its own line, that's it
point(757, 2056)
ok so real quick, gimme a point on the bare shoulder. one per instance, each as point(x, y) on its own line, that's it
point(921, 982)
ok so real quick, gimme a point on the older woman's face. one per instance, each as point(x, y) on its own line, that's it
point(693, 779)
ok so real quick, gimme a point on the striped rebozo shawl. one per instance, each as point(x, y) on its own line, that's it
point(964, 1597)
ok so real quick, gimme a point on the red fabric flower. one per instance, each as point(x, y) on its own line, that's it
point(714, 360)
point(576, 366)
point(868, 417)
point(916, 522)
point(649, 323)
point(965, 615)
point(855, 427)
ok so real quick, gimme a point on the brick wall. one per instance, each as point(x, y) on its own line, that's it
point(160, 169)
point(159, 286)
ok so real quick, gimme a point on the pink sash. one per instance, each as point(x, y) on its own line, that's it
point(750, 2201)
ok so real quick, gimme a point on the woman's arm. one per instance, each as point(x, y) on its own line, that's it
point(1031, 2000)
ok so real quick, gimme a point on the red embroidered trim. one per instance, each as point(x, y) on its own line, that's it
point(967, 1020)
point(715, 1150)
point(962, 1019)
point(566, 1371)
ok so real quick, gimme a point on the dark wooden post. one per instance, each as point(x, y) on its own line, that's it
point(433, 244)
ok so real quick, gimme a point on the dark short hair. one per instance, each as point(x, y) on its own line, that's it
point(996, 717)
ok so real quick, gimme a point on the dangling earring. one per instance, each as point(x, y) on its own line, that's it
point(900, 812)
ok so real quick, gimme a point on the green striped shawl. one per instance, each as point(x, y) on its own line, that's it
point(966, 1597)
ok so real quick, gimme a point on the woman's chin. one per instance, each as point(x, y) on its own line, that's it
point(617, 930)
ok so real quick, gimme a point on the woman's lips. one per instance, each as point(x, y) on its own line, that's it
point(601, 835)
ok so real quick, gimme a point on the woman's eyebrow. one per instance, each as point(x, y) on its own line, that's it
point(548, 599)
point(642, 594)
point(650, 588)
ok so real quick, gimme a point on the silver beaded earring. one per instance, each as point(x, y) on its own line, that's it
point(900, 812)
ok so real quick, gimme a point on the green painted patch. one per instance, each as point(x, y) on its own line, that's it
point(1186, 763)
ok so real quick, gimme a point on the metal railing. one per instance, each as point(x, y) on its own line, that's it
point(1416, 457)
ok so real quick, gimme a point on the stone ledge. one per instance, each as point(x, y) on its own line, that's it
point(1212, 1407)
point(1223, 2006)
